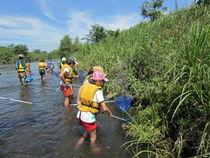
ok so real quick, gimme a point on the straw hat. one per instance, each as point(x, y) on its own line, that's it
point(98, 68)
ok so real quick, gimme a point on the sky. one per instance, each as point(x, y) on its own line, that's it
point(41, 24)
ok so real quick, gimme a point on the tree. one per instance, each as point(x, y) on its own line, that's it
point(65, 47)
point(96, 34)
point(21, 49)
point(205, 2)
point(11, 46)
point(37, 51)
point(152, 10)
point(75, 45)
point(113, 33)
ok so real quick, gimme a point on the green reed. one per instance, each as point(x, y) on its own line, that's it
point(165, 67)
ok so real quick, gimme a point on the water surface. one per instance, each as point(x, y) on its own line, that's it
point(46, 128)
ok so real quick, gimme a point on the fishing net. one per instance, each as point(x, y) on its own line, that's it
point(82, 75)
point(123, 102)
point(57, 73)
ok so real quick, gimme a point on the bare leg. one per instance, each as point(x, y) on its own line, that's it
point(93, 136)
point(71, 90)
point(93, 147)
point(66, 102)
point(85, 134)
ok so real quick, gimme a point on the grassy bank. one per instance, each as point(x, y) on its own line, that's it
point(164, 66)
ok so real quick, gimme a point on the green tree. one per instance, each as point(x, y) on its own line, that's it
point(96, 34)
point(21, 49)
point(113, 33)
point(44, 52)
point(65, 47)
point(37, 51)
point(153, 10)
point(76, 45)
point(11, 46)
point(205, 2)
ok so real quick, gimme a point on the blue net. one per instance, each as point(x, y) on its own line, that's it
point(82, 75)
point(123, 102)
point(57, 73)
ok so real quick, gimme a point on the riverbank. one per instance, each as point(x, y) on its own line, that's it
point(157, 64)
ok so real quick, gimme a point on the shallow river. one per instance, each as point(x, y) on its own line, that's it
point(46, 128)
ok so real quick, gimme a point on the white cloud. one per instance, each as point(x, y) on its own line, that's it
point(80, 22)
point(46, 10)
point(27, 30)
point(121, 22)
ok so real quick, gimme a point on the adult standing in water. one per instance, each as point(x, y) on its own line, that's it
point(21, 70)
point(42, 66)
point(63, 62)
point(66, 77)
point(90, 99)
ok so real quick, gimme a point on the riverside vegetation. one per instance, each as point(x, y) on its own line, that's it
point(164, 66)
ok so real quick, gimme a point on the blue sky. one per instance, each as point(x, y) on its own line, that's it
point(41, 24)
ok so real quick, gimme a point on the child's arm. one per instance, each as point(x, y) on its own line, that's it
point(103, 105)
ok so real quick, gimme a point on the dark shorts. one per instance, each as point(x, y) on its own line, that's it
point(42, 71)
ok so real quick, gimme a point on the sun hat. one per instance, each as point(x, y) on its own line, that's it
point(98, 68)
point(75, 61)
point(63, 59)
point(98, 75)
point(21, 55)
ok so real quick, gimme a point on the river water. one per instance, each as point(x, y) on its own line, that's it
point(46, 128)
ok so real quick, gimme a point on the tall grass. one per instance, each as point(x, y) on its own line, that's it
point(164, 66)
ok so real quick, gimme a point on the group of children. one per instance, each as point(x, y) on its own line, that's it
point(43, 66)
point(90, 98)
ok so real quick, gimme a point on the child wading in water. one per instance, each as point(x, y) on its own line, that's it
point(66, 77)
point(90, 99)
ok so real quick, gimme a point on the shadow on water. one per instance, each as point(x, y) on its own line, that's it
point(46, 128)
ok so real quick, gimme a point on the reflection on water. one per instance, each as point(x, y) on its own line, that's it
point(46, 128)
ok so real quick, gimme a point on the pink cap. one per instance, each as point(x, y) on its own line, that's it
point(98, 75)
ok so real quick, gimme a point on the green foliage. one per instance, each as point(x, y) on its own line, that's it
point(21, 49)
point(6, 55)
point(37, 51)
point(96, 34)
point(164, 65)
point(65, 47)
point(151, 10)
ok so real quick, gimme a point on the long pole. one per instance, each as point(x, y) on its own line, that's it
point(17, 100)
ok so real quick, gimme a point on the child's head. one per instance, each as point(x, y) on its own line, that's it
point(99, 78)
point(98, 68)
point(90, 71)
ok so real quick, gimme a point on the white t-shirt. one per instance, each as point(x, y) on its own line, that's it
point(89, 117)
point(66, 75)
point(86, 81)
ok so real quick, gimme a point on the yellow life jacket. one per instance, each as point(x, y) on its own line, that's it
point(70, 77)
point(86, 97)
point(27, 65)
point(86, 79)
point(62, 65)
point(20, 67)
point(41, 65)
